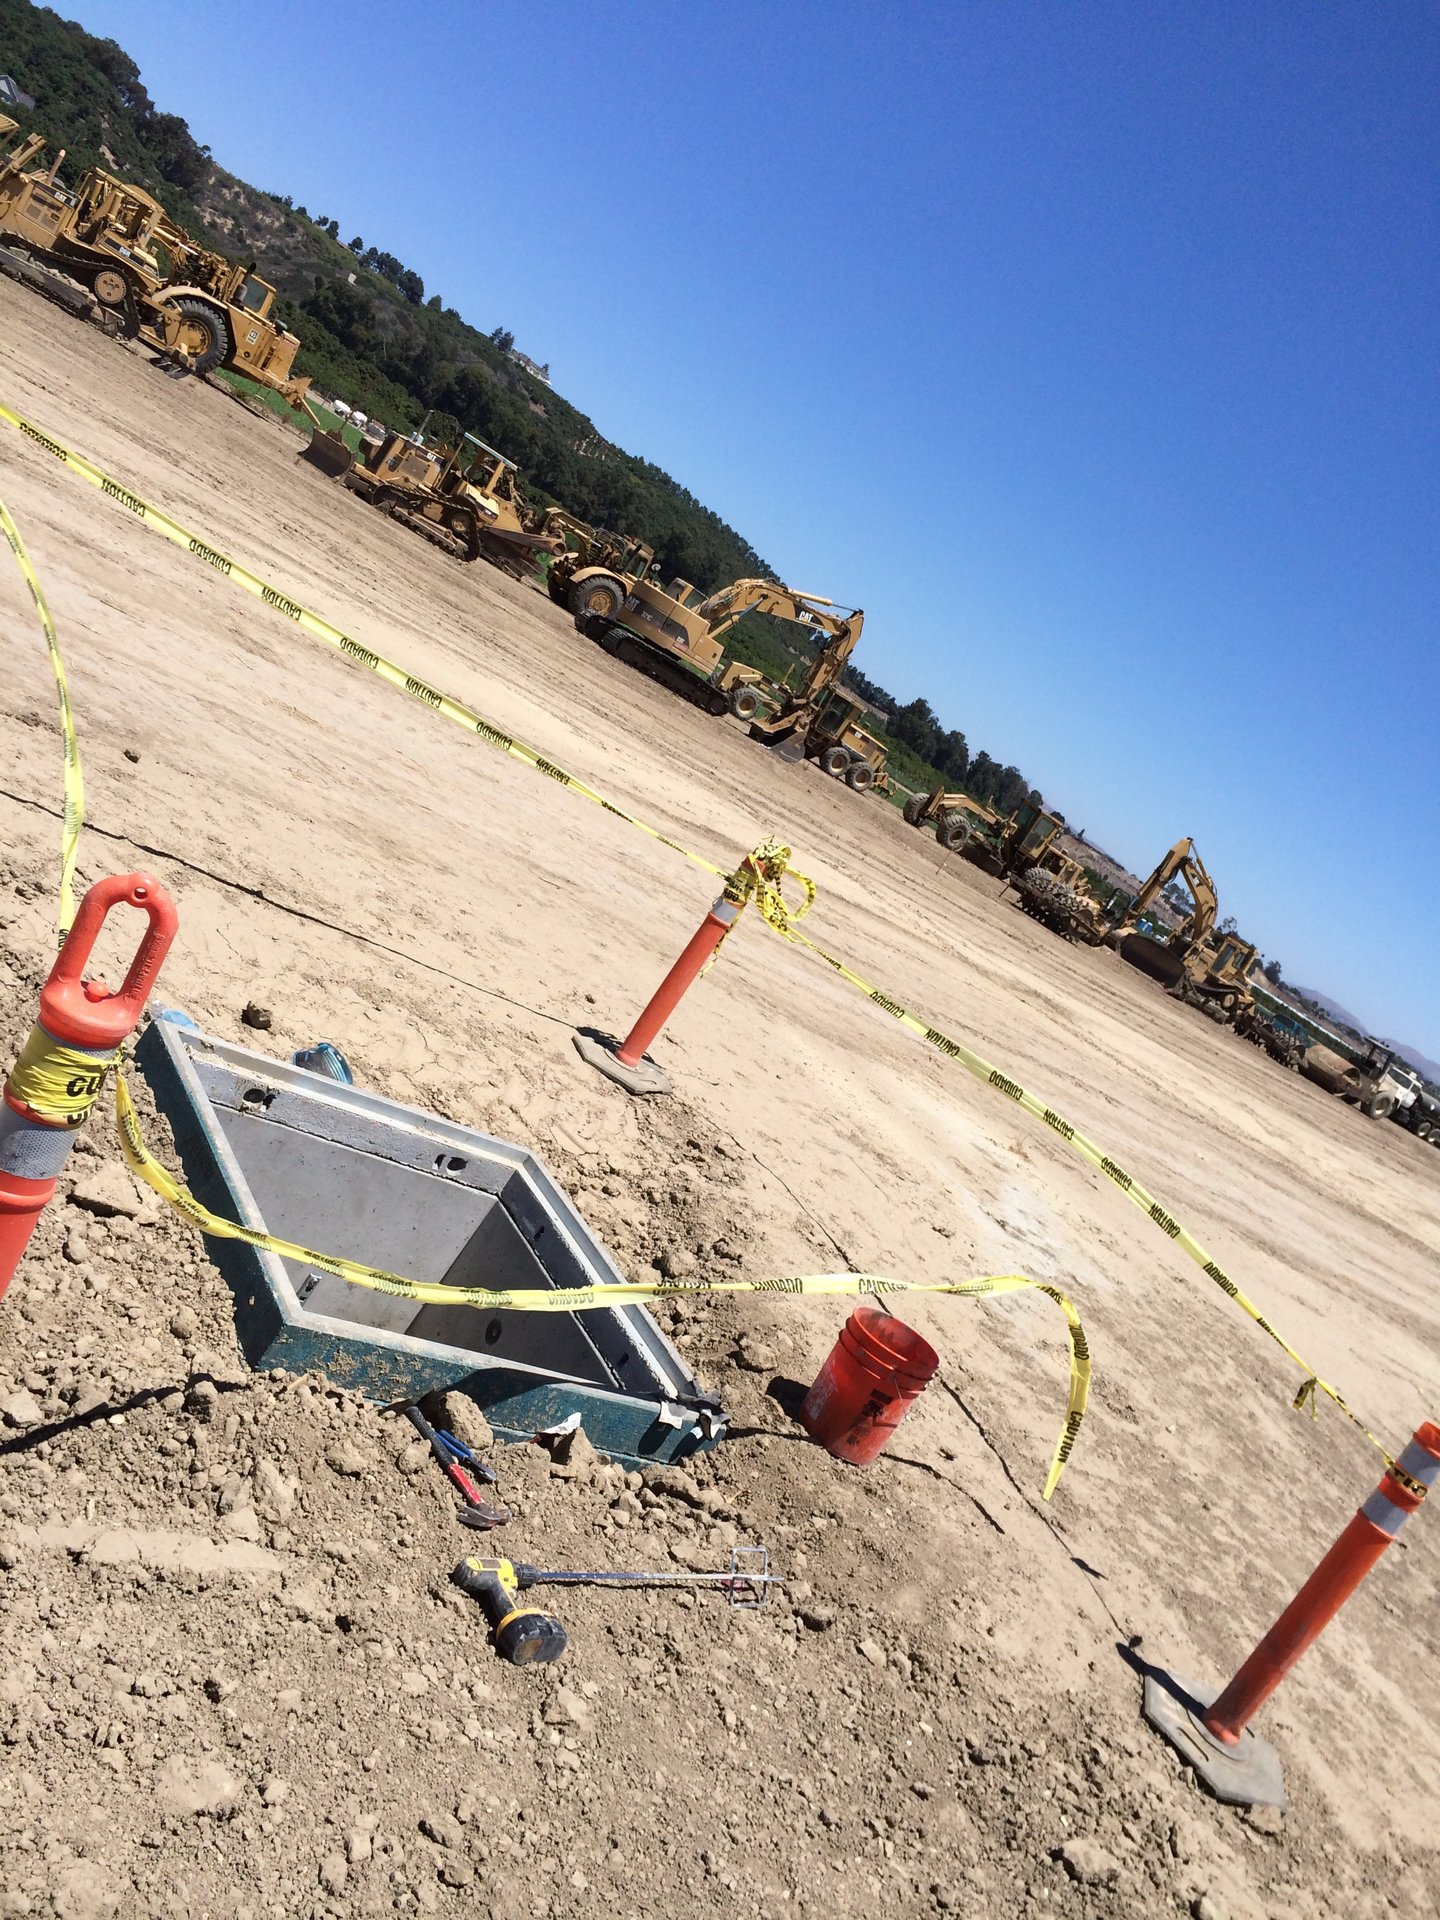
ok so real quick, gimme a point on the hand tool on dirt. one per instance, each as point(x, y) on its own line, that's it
point(477, 1512)
point(472, 1460)
point(525, 1634)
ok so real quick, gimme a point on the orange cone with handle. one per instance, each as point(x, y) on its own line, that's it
point(63, 1064)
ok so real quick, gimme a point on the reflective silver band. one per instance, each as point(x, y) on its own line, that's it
point(30, 1150)
point(1384, 1513)
point(1420, 1464)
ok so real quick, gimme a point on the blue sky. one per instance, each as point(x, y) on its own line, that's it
point(1091, 348)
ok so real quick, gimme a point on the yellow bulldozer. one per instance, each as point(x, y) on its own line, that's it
point(596, 570)
point(112, 244)
point(1217, 975)
point(465, 497)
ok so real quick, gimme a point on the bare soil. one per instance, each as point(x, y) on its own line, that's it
point(236, 1680)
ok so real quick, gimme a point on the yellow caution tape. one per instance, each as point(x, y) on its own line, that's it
point(74, 786)
point(412, 684)
point(46, 1074)
point(759, 879)
point(1087, 1150)
point(59, 1084)
point(605, 1293)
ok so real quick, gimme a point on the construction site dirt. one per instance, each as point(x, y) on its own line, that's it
point(235, 1677)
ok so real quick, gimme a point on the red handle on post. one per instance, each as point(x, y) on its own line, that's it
point(84, 1013)
point(37, 1130)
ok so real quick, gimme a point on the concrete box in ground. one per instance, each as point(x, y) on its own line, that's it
point(347, 1172)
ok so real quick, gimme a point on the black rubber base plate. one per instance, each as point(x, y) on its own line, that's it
point(598, 1050)
point(1247, 1775)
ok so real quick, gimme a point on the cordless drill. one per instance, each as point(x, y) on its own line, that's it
point(522, 1634)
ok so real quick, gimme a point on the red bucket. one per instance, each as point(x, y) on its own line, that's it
point(875, 1370)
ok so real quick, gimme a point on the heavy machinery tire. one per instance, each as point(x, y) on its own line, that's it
point(110, 287)
point(716, 702)
point(1381, 1105)
point(1422, 1129)
point(913, 809)
point(952, 830)
point(204, 334)
point(834, 761)
point(860, 775)
point(744, 702)
point(603, 597)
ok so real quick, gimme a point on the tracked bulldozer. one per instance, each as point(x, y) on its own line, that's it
point(596, 570)
point(1216, 976)
point(110, 251)
point(465, 498)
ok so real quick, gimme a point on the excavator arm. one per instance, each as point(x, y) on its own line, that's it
point(1182, 862)
point(1202, 887)
point(841, 629)
point(555, 520)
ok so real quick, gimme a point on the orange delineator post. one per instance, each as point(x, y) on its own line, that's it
point(85, 1019)
point(681, 977)
point(1369, 1533)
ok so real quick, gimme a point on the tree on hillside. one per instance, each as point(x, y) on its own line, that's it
point(952, 756)
point(503, 339)
point(1271, 971)
point(357, 245)
point(916, 725)
point(119, 69)
point(983, 772)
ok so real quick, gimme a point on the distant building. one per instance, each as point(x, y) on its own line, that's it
point(524, 361)
point(11, 94)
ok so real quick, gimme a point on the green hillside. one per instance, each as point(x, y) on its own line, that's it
point(373, 337)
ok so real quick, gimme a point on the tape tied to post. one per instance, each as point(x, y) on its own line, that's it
point(55, 1083)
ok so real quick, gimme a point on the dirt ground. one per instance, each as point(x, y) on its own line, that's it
point(236, 1681)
